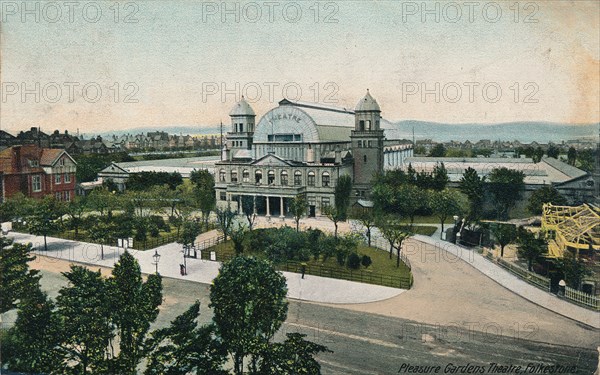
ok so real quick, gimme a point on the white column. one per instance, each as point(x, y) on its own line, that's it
point(268, 208)
point(281, 212)
point(240, 204)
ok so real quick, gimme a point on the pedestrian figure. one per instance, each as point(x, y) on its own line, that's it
point(303, 269)
point(181, 269)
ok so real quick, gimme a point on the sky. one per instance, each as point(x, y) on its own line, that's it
point(112, 65)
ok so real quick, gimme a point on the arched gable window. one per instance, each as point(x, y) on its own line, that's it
point(311, 178)
point(297, 178)
point(258, 177)
point(271, 177)
point(284, 178)
point(325, 179)
point(222, 175)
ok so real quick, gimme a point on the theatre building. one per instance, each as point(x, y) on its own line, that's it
point(304, 148)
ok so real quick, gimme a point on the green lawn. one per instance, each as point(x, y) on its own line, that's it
point(382, 271)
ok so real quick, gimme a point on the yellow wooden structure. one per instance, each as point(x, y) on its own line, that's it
point(571, 228)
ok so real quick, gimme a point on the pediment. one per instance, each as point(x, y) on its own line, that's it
point(271, 160)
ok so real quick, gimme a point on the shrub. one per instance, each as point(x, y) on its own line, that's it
point(366, 261)
point(341, 257)
point(353, 261)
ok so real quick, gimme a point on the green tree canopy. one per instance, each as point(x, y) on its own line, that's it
point(546, 194)
point(506, 186)
point(16, 278)
point(504, 234)
point(248, 299)
point(530, 247)
point(473, 187)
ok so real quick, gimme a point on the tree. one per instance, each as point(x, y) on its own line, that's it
point(529, 247)
point(572, 155)
point(538, 154)
point(553, 152)
point(248, 209)
point(573, 269)
point(30, 344)
point(184, 348)
point(298, 208)
point(395, 233)
point(248, 299)
point(440, 177)
point(102, 232)
point(444, 204)
point(473, 187)
point(45, 218)
point(191, 230)
point(438, 151)
point(85, 330)
point(75, 209)
point(237, 235)
point(204, 182)
point(504, 234)
point(506, 186)
point(366, 217)
point(16, 279)
point(134, 306)
point(334, 215)
point(293, 356)
point(343, 188)
point(225, 218)
point(546, 194)
point(408, 200)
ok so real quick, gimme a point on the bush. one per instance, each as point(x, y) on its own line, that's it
point(353, 261)
point(366, 261)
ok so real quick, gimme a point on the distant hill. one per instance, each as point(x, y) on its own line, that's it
point(541, 132)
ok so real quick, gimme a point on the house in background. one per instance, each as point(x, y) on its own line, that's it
point(37, 172)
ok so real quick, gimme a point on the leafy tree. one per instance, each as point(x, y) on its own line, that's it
point(85, 330)
point(248, 209)
point(17, 207)
point(586, 159)
point(184, 348)
point(366, 217)
point(395, 233)
point(408, 200)
point(45, 218)
point(75, 210)
point(134, 304)
point(334, 215)
point(504, 234)
point(473, 187)
point(353, 261)
point(248, 299)
point(204, 182)
point(343, 188)
point(529, 247)
point(438, 151)
point(553, 151)
point(103, 201)
point(506, 186)
point(298, 208)
point(102, 232)
point(30, 343)
point(143, 180)
point(538, 154)
point(366, 261)
point(440, 177)
point(444, 203)
point(293, 356)
point(16, 279)
point(546, 194)
point(573, 269)
point(237, 234)
point(572, 155)
point(225, 218)
point(191, 230)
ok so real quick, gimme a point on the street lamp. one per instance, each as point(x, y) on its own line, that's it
point(156, 258)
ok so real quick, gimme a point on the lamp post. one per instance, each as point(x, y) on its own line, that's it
point(156, 258)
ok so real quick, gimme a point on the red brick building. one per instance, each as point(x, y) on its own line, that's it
point(37, 172)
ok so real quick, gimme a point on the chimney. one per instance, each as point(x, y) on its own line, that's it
point(16, 158)
point(338, 155)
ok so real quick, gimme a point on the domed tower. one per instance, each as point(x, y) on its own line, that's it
point(242, 127)
point(367, 144)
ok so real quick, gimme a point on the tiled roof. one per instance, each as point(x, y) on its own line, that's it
point(49, 156)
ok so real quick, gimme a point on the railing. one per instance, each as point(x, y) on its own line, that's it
point(581, 298)
point(402, 282)
point(532, 278)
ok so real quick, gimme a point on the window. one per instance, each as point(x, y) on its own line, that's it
point(359, 144)
point(67, 178)
point(222, 175)
point(325, 202)
point(241, 128)
point(369, 144)
point(361, 125)
point(61, 162)
point(223, 196)
point(57, 179)
point(284, 178)
point(234, 176)
point(67, 196)
point(365, 158)
point(271, 177)
point(258, 177)
point(311, 179)
point(57, 195)
point(368, 124)
point(36, 183)
point(246, 176)
point(325, 179)
point(297, 178)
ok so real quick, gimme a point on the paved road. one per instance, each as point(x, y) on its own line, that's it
point(366, 343)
